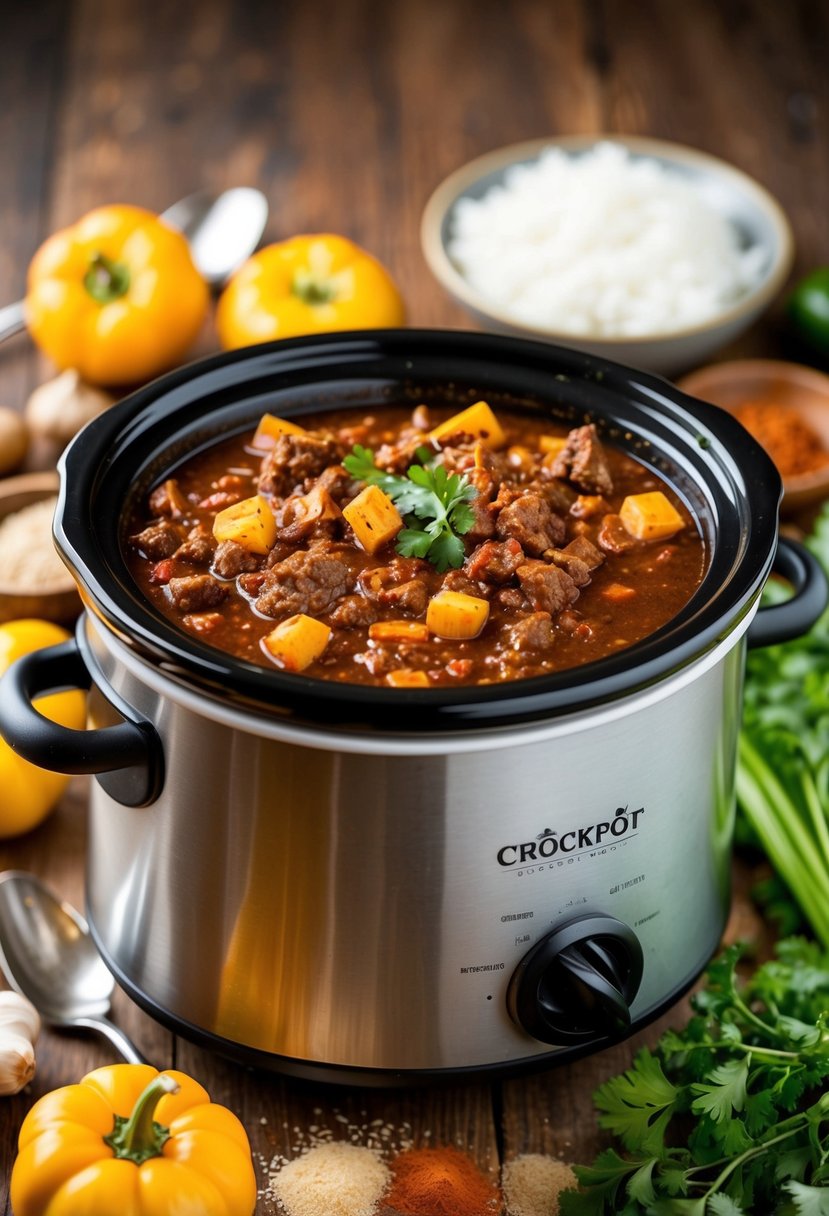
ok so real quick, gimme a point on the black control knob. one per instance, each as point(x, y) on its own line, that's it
point(577, 984)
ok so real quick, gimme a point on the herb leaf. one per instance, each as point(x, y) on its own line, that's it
point(637, 1105)
point(726, 1091)
point(729, 1115)
point(433, 503)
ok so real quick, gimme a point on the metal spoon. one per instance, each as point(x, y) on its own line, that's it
point(223, 230)
point(47, 955)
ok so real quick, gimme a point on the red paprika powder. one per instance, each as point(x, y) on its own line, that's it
point(440, 1182)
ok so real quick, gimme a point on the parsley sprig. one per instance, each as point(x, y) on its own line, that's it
point(749, 1076)
point(434, 505)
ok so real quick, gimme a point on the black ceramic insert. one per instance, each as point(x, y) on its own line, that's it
point(727, 480)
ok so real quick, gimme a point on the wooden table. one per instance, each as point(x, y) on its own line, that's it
point(347, 115)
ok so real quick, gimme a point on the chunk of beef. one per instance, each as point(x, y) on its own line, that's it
point(157, 541)
point(457, 580)
point(495, 562)
point(293, 460)
point(353, 612)
point(375, 581)
point(578, 570)
point(510, 599)
point(548, 588)
point(278, 554)
point(614, 536)
point(485, 484)
point(197, 550)
point(195, 593)
point(304, 582)
point(336, 481)
point(534, 632)
point(251, 584)
point(530, 521)
point(483, 522)
point(558, 494)
point(583, 462)
point(410, 597)
point(586, 551)
point(231, 560)
point(169, 499)
point(396, 457)
point(580, 558)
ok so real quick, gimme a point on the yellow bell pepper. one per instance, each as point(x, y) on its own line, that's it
point(115, 296)
point(30, 793)
point(308, 284)
point(132, 1141)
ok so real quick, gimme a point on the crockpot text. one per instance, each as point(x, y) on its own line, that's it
point(548, 843)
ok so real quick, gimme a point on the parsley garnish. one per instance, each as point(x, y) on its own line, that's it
point(434, 505)
point(730, 1115)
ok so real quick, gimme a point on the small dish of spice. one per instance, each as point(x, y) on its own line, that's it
point(785, 406)
point(33, 580)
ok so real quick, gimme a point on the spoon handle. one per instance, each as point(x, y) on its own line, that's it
point(117, 1038)
point(12, 320)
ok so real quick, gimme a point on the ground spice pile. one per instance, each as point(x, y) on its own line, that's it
point(440, 1182)
point(792, 444)
point(332, 1179)
point(532, 1184)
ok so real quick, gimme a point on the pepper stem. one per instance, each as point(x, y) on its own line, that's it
point(139, 1137)
point(106, 280)
point(311, 288)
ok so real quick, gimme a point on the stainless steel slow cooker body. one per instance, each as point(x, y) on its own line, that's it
point(374, 884)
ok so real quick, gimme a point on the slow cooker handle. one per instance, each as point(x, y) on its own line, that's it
point(128, 757)
point(796, 616)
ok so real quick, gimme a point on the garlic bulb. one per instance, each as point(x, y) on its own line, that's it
point(17, 1062)
point(19, 1028)
point(58, 409)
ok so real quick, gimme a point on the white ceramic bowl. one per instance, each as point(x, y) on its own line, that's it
point(757, 218)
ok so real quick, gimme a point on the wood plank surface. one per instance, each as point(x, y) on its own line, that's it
point(348, 116)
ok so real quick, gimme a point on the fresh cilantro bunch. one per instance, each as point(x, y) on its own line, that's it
point(730, 1116)
point(434, 505)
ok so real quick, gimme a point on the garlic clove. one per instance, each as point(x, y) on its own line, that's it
point(18, 1015)
point(17, 1062)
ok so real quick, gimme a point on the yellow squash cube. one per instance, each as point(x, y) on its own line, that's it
point(270, 428)
point(374, 518)
point(478, 420)
point(650, 516)
point(297, 642)
point(405, 678)
point(250, 523)
point(398, 631)
point(453, 614)
point(551, 445)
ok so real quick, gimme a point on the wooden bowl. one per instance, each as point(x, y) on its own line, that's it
point(61, 604)
point(800, 389)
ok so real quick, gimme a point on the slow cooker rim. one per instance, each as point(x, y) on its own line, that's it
point(122, 609)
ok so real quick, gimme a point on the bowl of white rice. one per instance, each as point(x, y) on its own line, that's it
point(646, 252)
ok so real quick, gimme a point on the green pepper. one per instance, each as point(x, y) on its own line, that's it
point(808, 309)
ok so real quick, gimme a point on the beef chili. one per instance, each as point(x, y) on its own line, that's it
point(416, 550)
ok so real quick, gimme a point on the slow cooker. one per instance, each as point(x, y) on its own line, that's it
point(379, 885)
